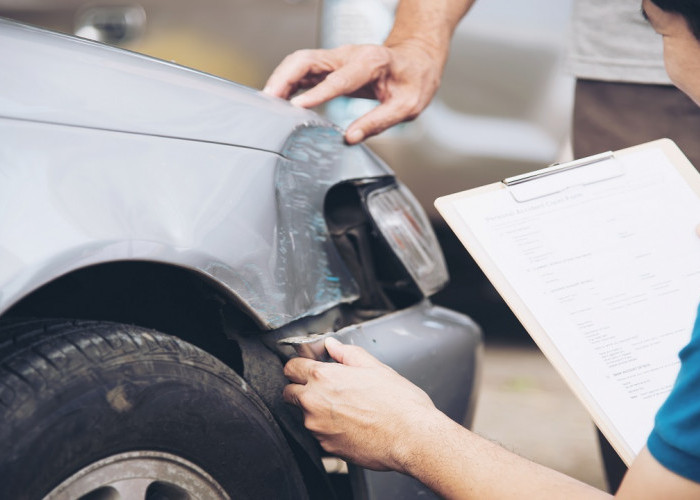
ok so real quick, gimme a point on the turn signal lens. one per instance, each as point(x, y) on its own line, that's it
point(404, 224)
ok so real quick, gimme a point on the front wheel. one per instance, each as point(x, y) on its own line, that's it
point(99, 410)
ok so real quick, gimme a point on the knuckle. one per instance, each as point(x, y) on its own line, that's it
point(317, 372)
point(303, 399)
point(290, 396)
point(301, 57)
point(289, 367)
point(410, 108)
point(301, 54)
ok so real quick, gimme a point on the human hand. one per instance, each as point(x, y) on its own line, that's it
point(403, 77)
point(359, 408)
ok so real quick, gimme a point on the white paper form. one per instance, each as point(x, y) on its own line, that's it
point(611, 272)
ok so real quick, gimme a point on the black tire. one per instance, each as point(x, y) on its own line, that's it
point(75, 393)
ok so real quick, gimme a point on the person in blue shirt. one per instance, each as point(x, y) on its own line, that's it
point(360, 409)
point(675, 439)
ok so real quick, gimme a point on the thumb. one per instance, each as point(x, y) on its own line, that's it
point(350, 355)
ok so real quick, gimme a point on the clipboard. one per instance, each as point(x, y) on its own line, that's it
point(599, 260)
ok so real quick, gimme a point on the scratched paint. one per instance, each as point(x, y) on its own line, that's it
point(307, 261)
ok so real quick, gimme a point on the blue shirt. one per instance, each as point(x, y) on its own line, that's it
point(675, 440)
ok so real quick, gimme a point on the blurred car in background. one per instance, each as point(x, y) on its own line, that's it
point(167, 238)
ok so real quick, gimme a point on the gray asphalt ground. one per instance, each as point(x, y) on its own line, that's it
point(526, 407)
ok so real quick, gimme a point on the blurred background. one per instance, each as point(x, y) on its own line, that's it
point(504, 108)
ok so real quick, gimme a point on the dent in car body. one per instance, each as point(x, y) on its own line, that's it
point(315, 159)
point(86, 179)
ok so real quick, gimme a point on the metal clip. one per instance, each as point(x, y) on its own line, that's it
point(556, 168)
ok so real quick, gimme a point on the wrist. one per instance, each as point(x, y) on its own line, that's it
point(427, 25)
point(418, 440)
point(429, 47)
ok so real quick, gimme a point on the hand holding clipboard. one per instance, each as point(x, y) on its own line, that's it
point(599, 260)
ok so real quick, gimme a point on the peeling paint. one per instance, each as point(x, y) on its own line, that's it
point(307, 262)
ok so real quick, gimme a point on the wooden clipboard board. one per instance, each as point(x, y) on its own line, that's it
point(534, 189)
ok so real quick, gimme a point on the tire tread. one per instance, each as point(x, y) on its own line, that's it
point(43, 363)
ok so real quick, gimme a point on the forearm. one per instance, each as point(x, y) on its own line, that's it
point(458, 464)
point(429, 23)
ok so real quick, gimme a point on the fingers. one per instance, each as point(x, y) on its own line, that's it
point(378, 120)
point(343, 81)
point(403, 94)
point(297, 69)
point(283, 81)
point(329, 73)
point(402, 78)
point(299, 370)
point(302, 370)
point(350, 355)
point(300, 394)
point(292, 394)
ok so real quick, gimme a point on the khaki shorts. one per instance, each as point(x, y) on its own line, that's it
point(610, 116)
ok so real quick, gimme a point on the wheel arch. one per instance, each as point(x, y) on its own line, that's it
point(168, 298)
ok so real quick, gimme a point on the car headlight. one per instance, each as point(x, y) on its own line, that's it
point(402, 221)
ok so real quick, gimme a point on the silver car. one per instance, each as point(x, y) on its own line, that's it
point(167, 240)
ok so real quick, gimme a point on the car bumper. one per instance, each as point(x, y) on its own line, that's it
point(437, 349)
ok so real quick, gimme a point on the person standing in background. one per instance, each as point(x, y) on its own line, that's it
point(623, 94)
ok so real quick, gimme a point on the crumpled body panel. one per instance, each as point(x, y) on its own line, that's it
point(107, 156)
point(315, 159)
point(250, 220)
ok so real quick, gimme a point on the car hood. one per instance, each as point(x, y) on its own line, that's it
point(83, 83)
